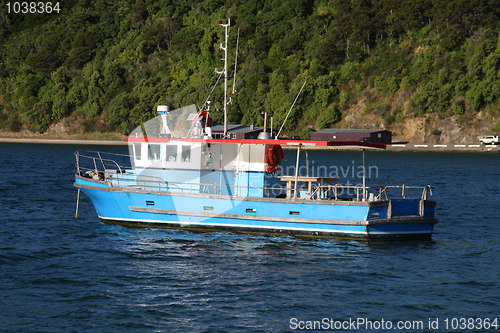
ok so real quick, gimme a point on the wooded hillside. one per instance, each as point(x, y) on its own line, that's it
point(106, 64)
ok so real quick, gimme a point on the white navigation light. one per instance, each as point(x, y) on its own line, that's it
point(163, 109)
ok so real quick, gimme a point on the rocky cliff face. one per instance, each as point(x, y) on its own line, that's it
point(428, 128)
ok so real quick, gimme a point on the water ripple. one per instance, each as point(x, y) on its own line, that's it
point(60, 275)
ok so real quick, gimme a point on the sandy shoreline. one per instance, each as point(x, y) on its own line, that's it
point(63, 141)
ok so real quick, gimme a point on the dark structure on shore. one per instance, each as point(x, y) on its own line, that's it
point(237, 132)
point(341, 134)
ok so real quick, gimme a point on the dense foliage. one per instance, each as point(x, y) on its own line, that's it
point(108, 63)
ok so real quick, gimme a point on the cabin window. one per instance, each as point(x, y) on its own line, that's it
point(154, 152)
point(137, 151)
point(186, 154)
point(171, 153)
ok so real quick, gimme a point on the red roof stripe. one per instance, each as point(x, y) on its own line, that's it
point(283, 142)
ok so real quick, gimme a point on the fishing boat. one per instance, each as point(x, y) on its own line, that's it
point(179, 176)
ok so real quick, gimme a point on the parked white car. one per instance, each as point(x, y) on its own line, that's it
point(490, 140)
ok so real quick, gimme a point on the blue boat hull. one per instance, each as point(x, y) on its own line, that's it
point(197, 212)
point(421, 231)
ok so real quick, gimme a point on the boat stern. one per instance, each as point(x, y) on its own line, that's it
point(401, 219)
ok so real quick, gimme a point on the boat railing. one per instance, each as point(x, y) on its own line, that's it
point(332, 192)
point(94, 165)
point(361, 193)
point(407, 191)
point(93, 161)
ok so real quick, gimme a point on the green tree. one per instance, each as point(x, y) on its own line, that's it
point(441, 56)
point(328, 117)
point(82, 50)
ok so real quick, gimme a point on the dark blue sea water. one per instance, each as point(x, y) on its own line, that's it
point(60, 275)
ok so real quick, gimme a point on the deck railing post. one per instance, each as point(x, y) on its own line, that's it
point(102, 162)
point(364, 177)
point(295, 187)
point(77, 156)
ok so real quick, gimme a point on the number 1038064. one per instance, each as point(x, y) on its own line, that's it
point(26, 7)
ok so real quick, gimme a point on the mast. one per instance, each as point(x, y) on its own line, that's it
point(224, 48)
point(364, 177)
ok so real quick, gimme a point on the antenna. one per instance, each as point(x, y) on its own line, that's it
point(236, 61)
point(277, 135)
point(224, 48)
